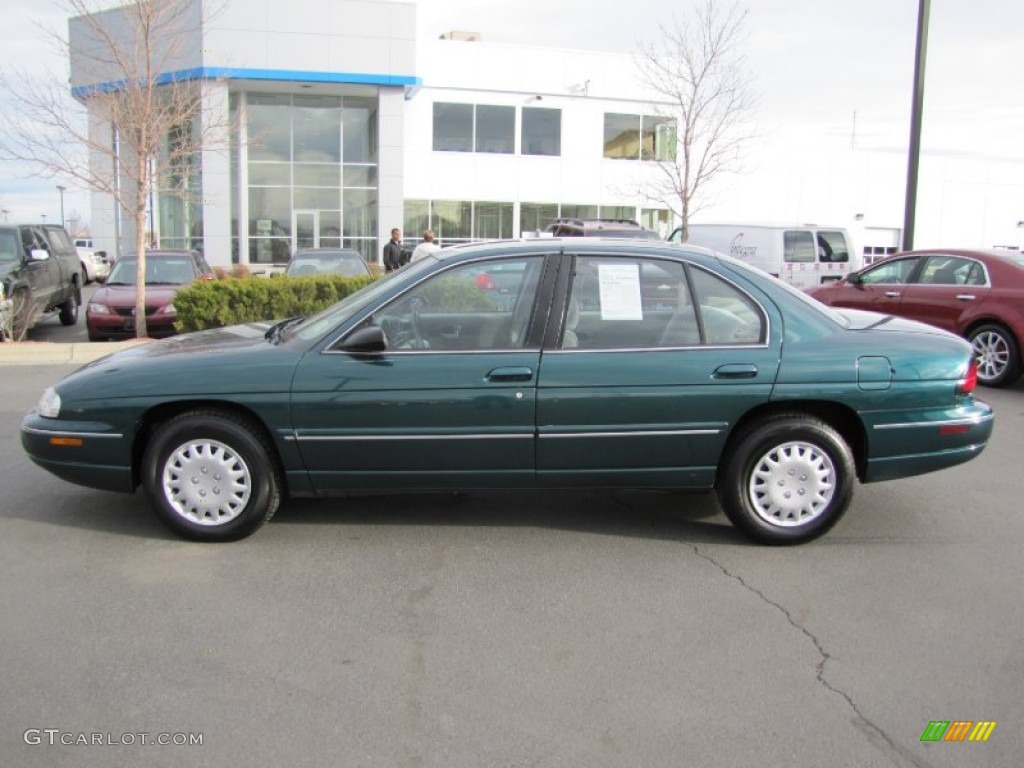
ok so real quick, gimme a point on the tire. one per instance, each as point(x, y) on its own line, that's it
point(998, 355)
point(69, 309)
point(206, 449)
point(21, 311)
point(787, 479)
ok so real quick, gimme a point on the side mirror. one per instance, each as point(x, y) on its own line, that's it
point(368, 339)
point(38, 254)
point(854, 278)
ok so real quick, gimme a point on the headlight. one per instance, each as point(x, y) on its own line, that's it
point(167, 310)
point(49, 404)
point(98, 309)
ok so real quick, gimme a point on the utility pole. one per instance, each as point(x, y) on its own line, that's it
point(917, 108)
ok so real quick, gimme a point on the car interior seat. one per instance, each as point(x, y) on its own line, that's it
point(572, 319)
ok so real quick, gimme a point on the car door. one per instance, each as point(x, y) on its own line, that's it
point(945, 290)
point(879, 288)
point(43, 276)
point(450, 402)
point(653, 362)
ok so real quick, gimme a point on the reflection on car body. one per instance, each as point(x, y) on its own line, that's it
point(599, 363)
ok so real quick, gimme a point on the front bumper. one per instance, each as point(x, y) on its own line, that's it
point(83, 453)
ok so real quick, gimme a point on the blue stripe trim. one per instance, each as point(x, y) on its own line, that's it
point(276, 75)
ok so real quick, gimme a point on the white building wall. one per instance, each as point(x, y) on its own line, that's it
point(583, 85)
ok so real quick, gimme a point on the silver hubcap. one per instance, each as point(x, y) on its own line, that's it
point(206, 482)
point(792, 484)
point(993, 354)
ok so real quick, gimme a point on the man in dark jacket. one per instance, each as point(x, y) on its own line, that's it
point(393, 251)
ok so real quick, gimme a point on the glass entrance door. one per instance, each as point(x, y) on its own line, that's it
point(316, 229)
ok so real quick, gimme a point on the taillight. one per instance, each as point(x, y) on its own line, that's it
point(967, 384)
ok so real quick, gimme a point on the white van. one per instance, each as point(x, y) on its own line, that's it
point(803, 255)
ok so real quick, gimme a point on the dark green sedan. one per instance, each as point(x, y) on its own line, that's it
point(576, 363)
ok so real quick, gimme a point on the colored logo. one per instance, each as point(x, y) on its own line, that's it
point(958, 730)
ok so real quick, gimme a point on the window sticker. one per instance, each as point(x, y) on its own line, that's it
point(620, 292)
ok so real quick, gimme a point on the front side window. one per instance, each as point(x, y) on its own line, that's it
point(798, 246)
point(479, 306)
point(895, 272)
point(832, 247)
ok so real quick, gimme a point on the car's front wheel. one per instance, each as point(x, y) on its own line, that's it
point(998, 355)
point(787, 479)
point(211, 476)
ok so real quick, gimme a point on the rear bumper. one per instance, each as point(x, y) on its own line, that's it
point(935, 441)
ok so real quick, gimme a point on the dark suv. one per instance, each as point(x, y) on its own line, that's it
point(620, 228)
point(39, 271)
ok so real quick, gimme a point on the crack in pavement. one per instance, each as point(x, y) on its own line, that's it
point(873, 731)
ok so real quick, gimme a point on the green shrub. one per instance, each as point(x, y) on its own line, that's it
point(216, 303)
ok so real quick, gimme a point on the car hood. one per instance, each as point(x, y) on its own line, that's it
point(234, 359)
point(124, 295)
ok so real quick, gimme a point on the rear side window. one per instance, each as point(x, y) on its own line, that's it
point(639, 303)
point(59, 239)
point(798, 245)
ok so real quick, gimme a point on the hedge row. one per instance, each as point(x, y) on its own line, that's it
point(216, 303)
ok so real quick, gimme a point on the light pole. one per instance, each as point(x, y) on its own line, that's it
point(61, 188)
point(917, 108)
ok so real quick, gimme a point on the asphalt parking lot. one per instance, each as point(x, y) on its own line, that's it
point(511, 629)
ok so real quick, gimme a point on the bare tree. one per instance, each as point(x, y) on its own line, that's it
point(698, 67)
point(136, 121)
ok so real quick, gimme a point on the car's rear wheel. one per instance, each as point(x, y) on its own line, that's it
point(211, 476)
point(787, 479)
point(998, 355)
point(69, 309)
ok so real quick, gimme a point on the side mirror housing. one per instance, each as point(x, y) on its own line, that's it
point(38, 254)
point(365, 340)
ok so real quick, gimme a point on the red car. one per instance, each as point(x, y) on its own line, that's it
point(111, 311)
point(977, 294)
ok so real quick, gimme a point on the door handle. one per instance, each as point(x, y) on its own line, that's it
point(510, 374)
point(735, 371)
point(965, 297)
point(893, 294)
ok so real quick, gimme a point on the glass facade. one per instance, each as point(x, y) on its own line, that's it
point(311, 170)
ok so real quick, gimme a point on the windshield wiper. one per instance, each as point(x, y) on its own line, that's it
point(274, 332)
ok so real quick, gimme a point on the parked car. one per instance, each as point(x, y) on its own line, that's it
point(95, 266)
point(976, 294)
point(307, 262)
point(40, 272)
point(111, 311)
point(624, 228)
point(425, 380)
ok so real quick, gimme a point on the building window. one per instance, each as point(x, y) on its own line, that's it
point(453, 127)
point(658, 140)
point(632, 137)
point(621, 136)
point(535, 217)
point(495, 129)
point(492, 221)
point(542, 131)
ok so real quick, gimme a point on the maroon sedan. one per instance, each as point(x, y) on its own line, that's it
point(111, 312)
point(977, 294)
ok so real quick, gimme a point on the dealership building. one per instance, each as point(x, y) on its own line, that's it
point(345, 123)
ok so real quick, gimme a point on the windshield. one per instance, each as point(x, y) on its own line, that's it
point(162, 271)
point(10, 248)
point(315, 326)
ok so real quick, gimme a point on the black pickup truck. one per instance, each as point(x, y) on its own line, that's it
point(39, 272)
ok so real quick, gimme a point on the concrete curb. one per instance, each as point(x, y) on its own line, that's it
point(53, 353)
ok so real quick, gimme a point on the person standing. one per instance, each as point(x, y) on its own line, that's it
point(426, 248)
point(393, 251)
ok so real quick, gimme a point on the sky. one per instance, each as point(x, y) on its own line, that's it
point(833, 81)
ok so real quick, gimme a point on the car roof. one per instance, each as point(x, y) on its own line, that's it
point(327, 252)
